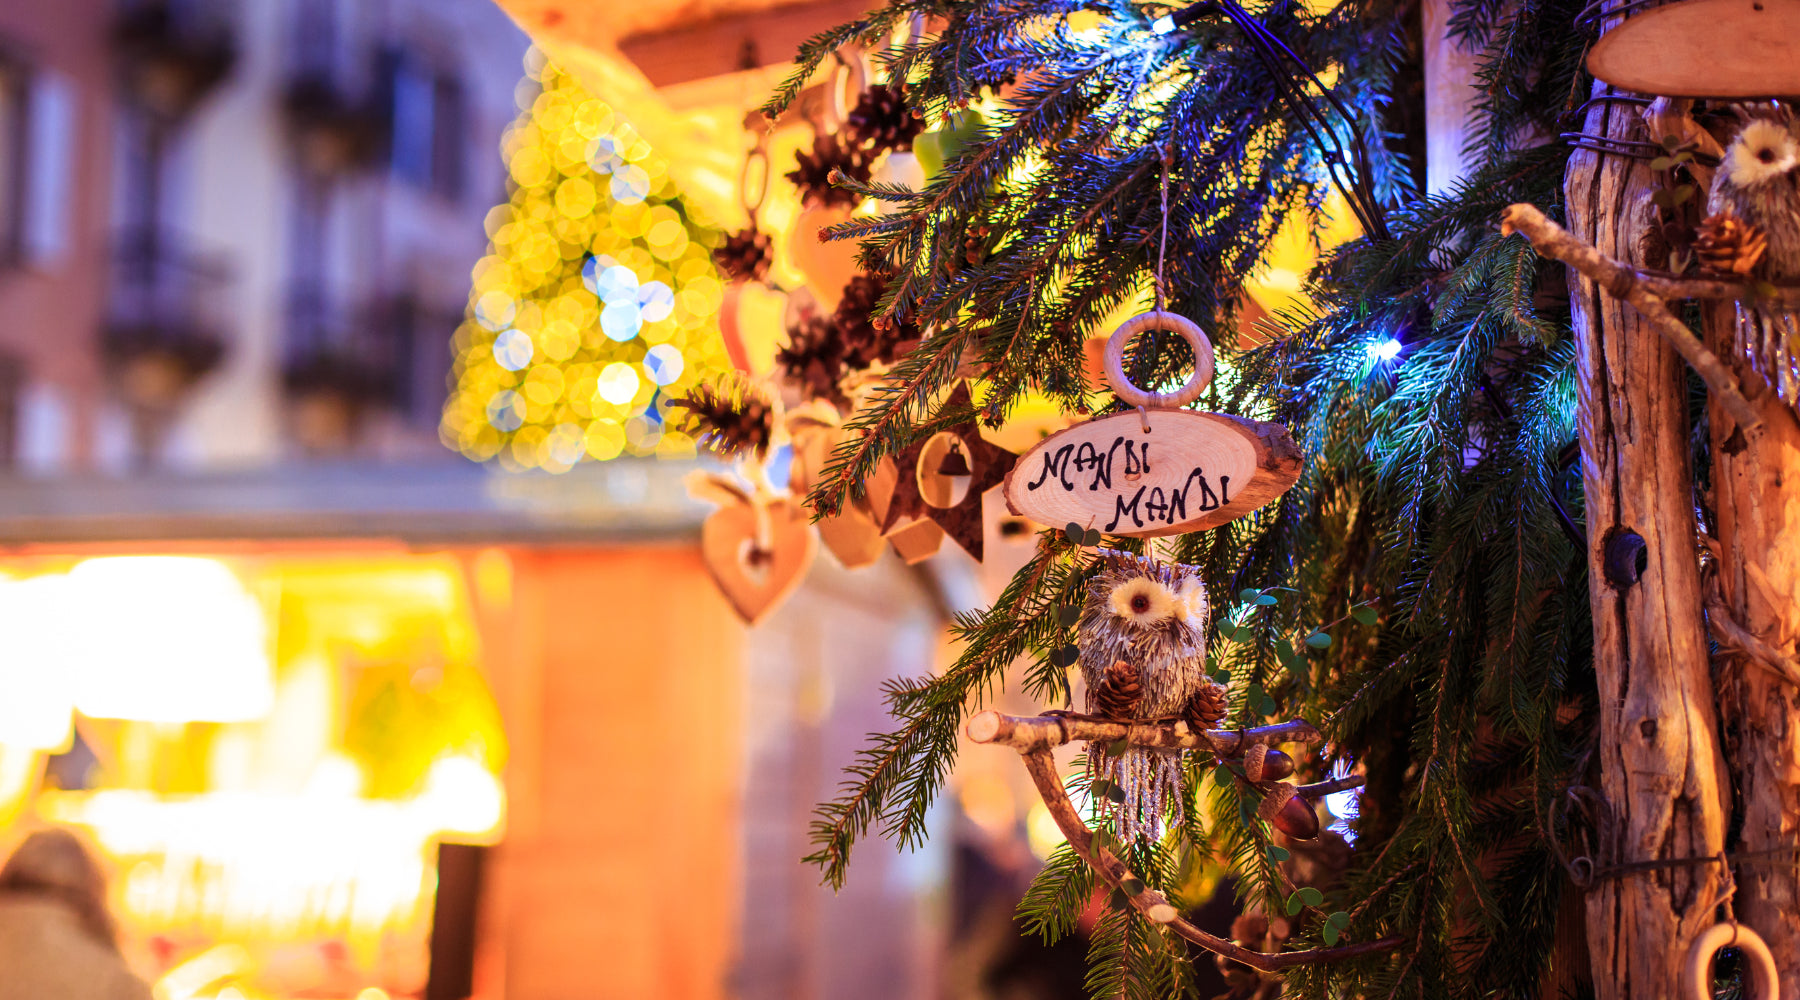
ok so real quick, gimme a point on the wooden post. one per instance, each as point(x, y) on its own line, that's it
point(1660, 768)
point(1756, 499)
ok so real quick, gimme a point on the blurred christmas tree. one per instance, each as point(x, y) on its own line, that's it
point(596, 304)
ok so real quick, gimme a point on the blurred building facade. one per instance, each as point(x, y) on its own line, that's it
point(235, 241)
point(235, 233)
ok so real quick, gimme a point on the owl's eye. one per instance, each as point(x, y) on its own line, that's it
point(1143, 601)
point(1766, 155)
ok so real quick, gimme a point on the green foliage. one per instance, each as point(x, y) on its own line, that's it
point(1425, 533)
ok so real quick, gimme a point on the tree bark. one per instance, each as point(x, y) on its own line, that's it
point(1660, 767)
point(1756, 497)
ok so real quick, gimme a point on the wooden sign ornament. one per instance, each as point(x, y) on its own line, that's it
point(1161, 470)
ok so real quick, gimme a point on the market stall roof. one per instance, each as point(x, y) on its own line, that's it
point(438, 503)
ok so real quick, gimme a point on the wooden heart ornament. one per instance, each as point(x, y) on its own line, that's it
point(1161, 470)
point(757, 548)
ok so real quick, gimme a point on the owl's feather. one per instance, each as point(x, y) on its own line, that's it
point(1151, 617)
point(1759, 182)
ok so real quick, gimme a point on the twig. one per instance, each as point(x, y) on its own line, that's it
point(1027, 734)
point(1552, 240)
point(1154, 905)
point(1761, 653)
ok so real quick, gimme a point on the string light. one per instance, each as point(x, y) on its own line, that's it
point(597, 301)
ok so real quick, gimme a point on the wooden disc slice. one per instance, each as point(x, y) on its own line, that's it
point(1705, 48)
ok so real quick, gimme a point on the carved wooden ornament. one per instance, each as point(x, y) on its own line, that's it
point(757, 548)
point(1704, 48)
point(1158, 471)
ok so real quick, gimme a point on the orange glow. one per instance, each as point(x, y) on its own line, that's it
point(280, 745)
point(165, 639)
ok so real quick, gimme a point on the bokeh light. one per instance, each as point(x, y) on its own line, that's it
point(597, 302)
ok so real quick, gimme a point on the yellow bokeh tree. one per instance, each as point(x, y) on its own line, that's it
point(597, 302)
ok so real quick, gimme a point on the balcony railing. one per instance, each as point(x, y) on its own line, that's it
point(166, 302)
point(172, 53)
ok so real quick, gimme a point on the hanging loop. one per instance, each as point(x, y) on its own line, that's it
point(753, 183)
point(1174, 323)
point(849, 78)
point(1765, 980)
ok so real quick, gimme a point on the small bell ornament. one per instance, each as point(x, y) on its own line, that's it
point(954, 464)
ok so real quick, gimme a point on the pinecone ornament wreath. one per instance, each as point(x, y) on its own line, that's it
point(733, 418)
point(813, 173)
point(881, 121)
point(814, 359)
point(745, 255)
point(868, 338)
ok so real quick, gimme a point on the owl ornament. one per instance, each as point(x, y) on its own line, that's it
point(1142, 635)
point(1757, 188)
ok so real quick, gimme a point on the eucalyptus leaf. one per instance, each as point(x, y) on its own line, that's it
point(1311, 896)
point(1319, 640)
point(1249, 595)
point(1132, 886)
point(1294, 906)
point(1068, 615)
point(1364, 614)
point(1265, 600)
point(1278, 854)
point(1329, 934)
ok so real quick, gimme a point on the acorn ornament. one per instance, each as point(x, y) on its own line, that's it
point(1142, 634)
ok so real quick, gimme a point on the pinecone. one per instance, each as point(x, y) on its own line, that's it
point(881, 121)
point(868, 338)
point(1205, 707)
point(814, 359)
point(1727, 246)
point(1118, 693)
point(813, 174)
point(745, 255)
point(731, 417)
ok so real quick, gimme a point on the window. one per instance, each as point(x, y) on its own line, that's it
point(37, 110)
point(427, 111)
point(12, 158)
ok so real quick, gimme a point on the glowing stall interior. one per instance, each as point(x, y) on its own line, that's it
point(267, 748)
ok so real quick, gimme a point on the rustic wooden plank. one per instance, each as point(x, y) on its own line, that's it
point(696, 50)
point(1756, 497)
point(1659, 758)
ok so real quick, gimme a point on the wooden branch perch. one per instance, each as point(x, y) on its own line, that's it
point(1152, 904)
point(1646, 294)
point(1043, 732)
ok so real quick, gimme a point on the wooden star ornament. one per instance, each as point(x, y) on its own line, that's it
point(924, 491)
